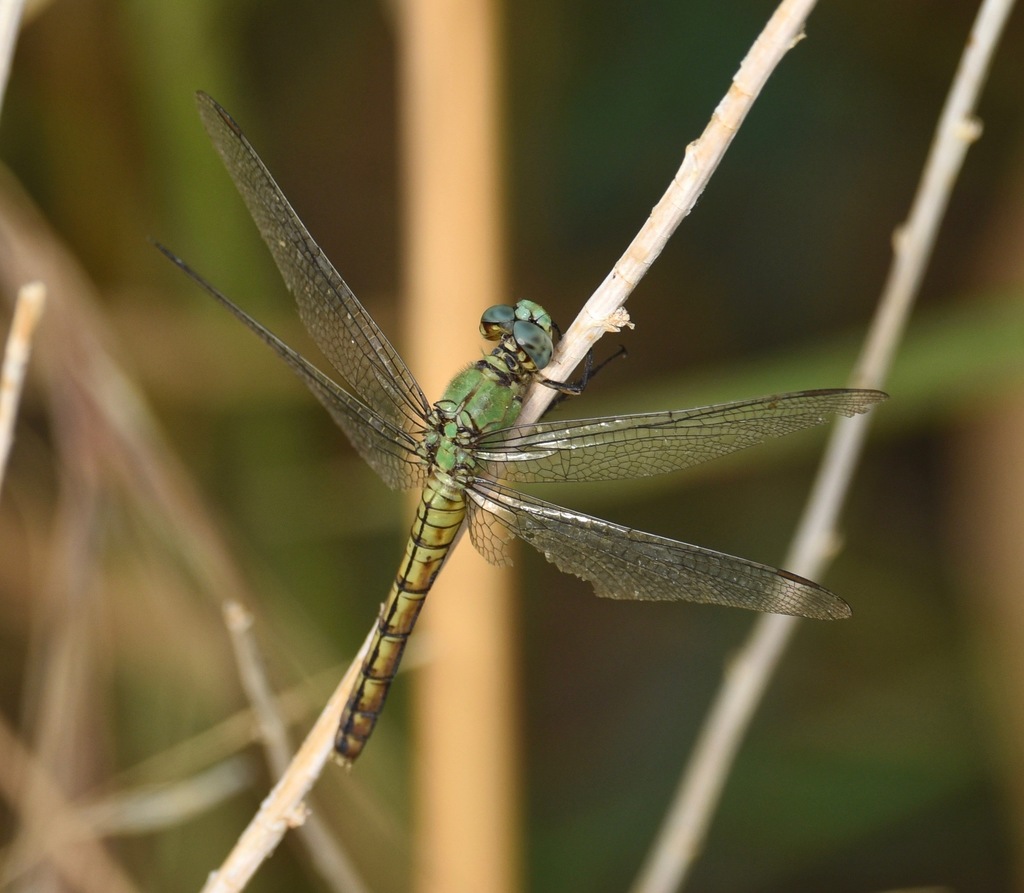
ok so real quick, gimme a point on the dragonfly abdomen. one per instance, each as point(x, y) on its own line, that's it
point(439, 516)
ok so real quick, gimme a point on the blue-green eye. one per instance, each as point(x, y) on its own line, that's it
point(534, 341)
point(497, 321)
point(533, 312)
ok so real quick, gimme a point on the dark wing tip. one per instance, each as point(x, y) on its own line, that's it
point(813, 601)
point(205, 100)
point(852, 401)
point(873, 396)
point(213, 114)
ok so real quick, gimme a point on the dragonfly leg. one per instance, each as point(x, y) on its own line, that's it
point(575, 388)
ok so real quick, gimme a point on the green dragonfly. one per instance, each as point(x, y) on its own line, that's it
point(461, 451)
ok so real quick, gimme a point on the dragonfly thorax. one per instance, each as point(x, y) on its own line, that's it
point(448, 445)
point(484, 397)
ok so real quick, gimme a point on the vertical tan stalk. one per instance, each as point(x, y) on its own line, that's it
point(464, 730)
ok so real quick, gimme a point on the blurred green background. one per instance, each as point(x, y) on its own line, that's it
point(884, 754)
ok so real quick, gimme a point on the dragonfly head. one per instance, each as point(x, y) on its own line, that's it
point(527, 323)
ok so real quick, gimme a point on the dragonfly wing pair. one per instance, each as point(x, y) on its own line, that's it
point(339, 324)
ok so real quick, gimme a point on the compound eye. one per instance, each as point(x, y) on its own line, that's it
point(497, 321)
point(532, 311)
point(534, 341)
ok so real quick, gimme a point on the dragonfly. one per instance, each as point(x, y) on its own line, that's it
point(463, 451)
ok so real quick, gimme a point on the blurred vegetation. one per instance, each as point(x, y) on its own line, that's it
point(874, 761)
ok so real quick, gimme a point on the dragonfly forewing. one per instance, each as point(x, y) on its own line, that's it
point(634, 446)
point(332, 314)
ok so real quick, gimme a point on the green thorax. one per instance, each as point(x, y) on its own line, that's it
point(488, 395)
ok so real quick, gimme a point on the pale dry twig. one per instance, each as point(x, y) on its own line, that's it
point(332, 862)
point(29, 307)
point(685, 825)
point(87, 865)
point(603, 310)
point(283, 808)
point(10, 22)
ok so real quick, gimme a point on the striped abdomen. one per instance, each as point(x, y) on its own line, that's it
point(438, 517)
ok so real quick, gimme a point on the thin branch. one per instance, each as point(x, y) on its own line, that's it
point(142, 810)
point(283, 807)
point(325, 852)
point(87, 865)
point(220, 742)
point(604, 311)
point(748, 674)
point(271, 726)
point(10, 22)
point(154, 807)
point(27, 311)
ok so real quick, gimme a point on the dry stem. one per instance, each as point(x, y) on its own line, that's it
point(686, 823)
point(10, 22)
point(87, 864)
point(31, 299)
point(604, 312)
point(324, 851)
point(283, 807)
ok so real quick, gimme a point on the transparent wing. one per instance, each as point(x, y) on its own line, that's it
point(388, 449)
point(635, 446)
point(339, 324)
point(625, 563)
